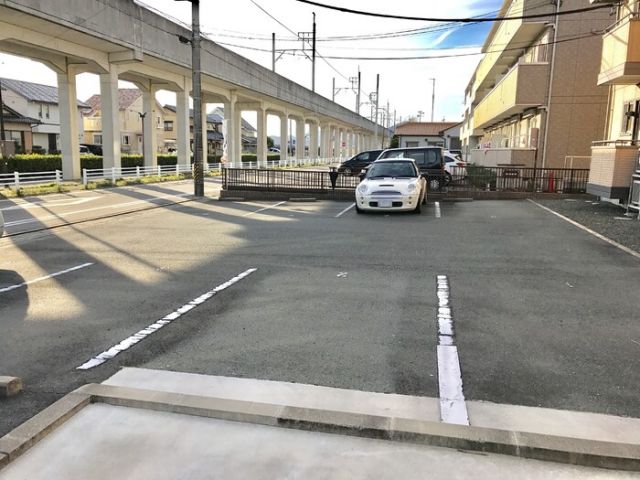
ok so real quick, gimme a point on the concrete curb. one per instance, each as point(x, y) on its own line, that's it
point(10, 386)
point(591, 453)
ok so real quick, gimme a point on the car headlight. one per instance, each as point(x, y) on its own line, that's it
point(411, 187)
point(362, 188)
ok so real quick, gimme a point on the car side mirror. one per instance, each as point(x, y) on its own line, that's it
point(362, 175)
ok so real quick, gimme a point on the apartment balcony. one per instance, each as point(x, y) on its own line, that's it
point(523, 87)
point(612, 166)
point(620, 64)
point(508, 39)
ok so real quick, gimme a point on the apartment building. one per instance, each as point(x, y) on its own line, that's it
point(533, 99)
point(615, 166)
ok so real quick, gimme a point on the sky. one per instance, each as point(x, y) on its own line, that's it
point(405, 84)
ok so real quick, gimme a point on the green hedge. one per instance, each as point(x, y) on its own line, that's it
point(480, 176)
point(46, 163)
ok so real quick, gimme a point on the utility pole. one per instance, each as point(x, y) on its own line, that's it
point(433, 97)
point(313, 56)
point(358, 96)
point(3, 163)
point(142, 115)
point(198, 170)
point(273, 52)
point(333, 90)
point(377, 99)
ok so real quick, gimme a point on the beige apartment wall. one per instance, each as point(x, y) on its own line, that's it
point(620, 95)
point(578, 105)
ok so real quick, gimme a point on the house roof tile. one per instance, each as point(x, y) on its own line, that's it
point(34, 92)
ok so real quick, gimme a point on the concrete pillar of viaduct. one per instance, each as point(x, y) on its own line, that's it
point(110, 114)
point(69, 132)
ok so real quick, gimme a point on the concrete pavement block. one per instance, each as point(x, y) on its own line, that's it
point(10, 386)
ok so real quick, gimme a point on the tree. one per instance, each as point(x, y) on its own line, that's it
point(269, 142)
point(394, 142)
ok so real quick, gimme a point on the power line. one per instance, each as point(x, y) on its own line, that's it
point(461, 47)
point(291, 31)
point(460, 20)
point(435, 57)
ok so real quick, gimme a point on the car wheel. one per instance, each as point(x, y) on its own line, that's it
point(435, 184)
point(447, 178)
point(347, 171)
point(358, 209)
point(424, 198)
point(418, 208)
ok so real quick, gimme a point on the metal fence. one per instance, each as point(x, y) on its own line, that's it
point(519, 179)
point(285, 180)
point(470, 178)
point(17, 180)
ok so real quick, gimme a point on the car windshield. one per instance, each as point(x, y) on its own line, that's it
point(392, 169)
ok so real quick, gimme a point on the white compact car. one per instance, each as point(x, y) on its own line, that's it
point(391, 184)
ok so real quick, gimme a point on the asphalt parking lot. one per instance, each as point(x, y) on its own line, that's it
point(545, 314)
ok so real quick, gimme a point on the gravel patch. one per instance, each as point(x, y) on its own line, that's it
point(603, 217)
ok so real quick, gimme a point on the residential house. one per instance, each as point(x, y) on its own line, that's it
point(423, 134)
point(214, 131)
point(248, 133)
point(130, 119)
point(30, 101)
point(614, 158)
point(17, 130)
point(532, 101)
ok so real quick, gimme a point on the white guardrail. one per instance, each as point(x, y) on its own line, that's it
point(16, 180)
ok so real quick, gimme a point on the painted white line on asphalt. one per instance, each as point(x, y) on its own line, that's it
point(438, 212)
point(263, 209)
point(65, 214)
point(346, 210)
point(46, 277)
point(53, 203)
point(154, 327)
point(588, 230)
point(453, 408)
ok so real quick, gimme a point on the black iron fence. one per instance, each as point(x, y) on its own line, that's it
point(469, 178)
point(285, 180)
point(518, 179)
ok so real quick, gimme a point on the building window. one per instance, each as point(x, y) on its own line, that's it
point(126, 140)
point(168, 126)
point(158, 122)
point(40, 111)
point(411, 144)
point(46, 111)
point(97, 139)
point(627, 117)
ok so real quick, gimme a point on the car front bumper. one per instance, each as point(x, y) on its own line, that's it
point(375, 202)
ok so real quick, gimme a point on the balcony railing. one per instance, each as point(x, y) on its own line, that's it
point(522, 87)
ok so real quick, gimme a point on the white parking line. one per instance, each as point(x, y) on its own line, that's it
point(75, 212)
point(265, 208)
point(46, 277)
point(438, 212)
point(453, 408)
point(588, 230)
point(346, 210)
point(154, 327)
